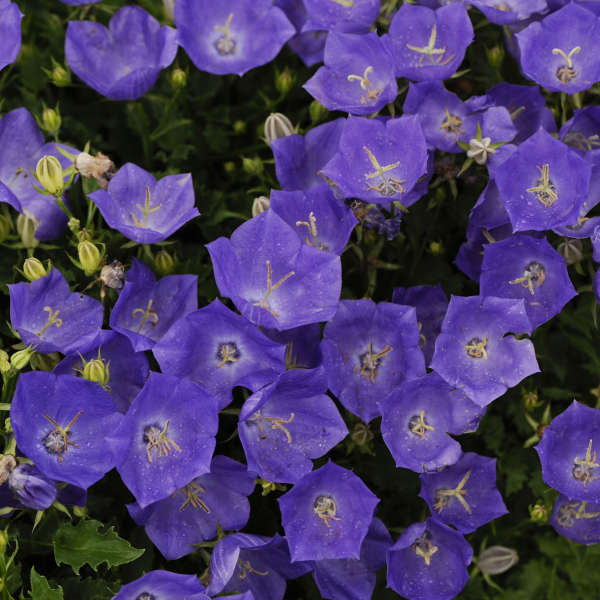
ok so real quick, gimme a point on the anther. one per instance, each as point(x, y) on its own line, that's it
point(370, 361)
point(156, 438)
point(57, 441)
point(325, 508)
point(276, 423)
point(146, 211)
point(544, 190)
point(418, 425)
point(191, 492)
point(452, 124)
point(534, 275)
point(246, 568)
point(477, 348)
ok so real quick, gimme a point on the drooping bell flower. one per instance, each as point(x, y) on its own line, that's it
point(111, 363)
point(163, 442)
point(61, 423)
point(378, 161)
point(568, 452)
point(577, 520)
point(529, 268)
point(560, 51)
point(358, 76)
point(429, 561)
point(473, 352)
point(219, 349)
point(163, 584)
point(231, 36)
point(507, 12)
point(348, 16)
point(123, 61)
point(429, 44)
point(417, 418)
point(289, 422)
point(543, 184)
point(143, 209)
point(368, 350)
point(320, 219)
point(30, 488)
point(10, 32)
point(243, 563)
point(274, 279)
point(299, 158)
point(146, 308)
point(51, 318)
point(219, 498)
point(327, 514)
point(464, 494)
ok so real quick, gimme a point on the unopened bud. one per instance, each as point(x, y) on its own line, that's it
point(97, 370)
point(74, 224)
point(361, 434)
point(89, 257)
point(60, 76)
point(277, 126)
point(497, 559)
point(45, 362)
point(571, 249)
point(164, 263)
point(26, 226)
point(33, 268)
point(436, 248)
point(113, 275)
point(169, 9)
point(5, 227)
point(50, 174)
point(538, 513)
point(100, 167)
point(51, 121)
point(252, 166)
point(316, 111)
point(229, 166)
point(495, 56)
point(4, 362)
point(19, 360)
point(259, 205)
point(284, 81)
point(239, 127)
point(178, 79)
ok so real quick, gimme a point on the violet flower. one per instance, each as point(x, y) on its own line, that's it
point(577, 520)
point(122, 62)
point(582, 132)
point(10, 32)
point(303, 345)
point(348, 16)
point(157, 584)
point(30, 488)
point(509, 11)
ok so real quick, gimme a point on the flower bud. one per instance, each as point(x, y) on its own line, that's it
point(239, 127)
point(4, 362)
point(252, 166)
point(495, 56)
point(89, 257)
point(74, 224)
point(50, 174)
point(316, 111)
point(60, 76)
point(178, 79)
point(277, 126)
point(538, 513)
point(164, 263)
point(97, 370)
point(19, 360)
point(100, 167)
point(5, 227)
point(497, 559)
point(169, 9)
point(26, 226)
point(436, 248)
point(571, 249)
point(45, 362)
point(34, 269)
point(113, 275)
point(31, 487)
point(51, 121)
point(284, 81)
point(259, 205)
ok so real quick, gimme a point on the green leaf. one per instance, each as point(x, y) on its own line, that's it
point(41, 590)
point(84, 544)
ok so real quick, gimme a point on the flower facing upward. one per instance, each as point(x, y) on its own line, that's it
point(163, 584)
point(577, 520)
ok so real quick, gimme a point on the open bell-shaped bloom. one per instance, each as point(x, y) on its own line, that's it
point(577, 520)
point(349, 16)
point(10, 32)
point(506, 12)
point(163, 584)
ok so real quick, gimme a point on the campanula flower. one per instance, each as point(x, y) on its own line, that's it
point(582, 132)
point(509, 11)
point(163, 583)
point(349, 16)
point(30, 488)
point(10, 32)
point(577, 520)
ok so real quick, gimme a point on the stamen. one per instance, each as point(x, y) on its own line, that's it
point(270, 288)
point(325, 508)
point(57, 441)
point(431, 51)
point(372, 92)
point(566, 73)
point(545, 190)
point(452, 124)
point(225, 44)
point(345, 3)
point(191, 491)
point(276, 423)
point(476, 348)
point(311, 225)
point(227, 353)
point(157, 438)
point(53, 319)
point(577, 140)
point(147, 313)
point(444, 496)
point(534, 274)
point(583, 468)
point(419, 426)
point(581, 514)
point(370, 361)
point(146, 211)
point(423, 547)
point(388, 185)
point(246, 569)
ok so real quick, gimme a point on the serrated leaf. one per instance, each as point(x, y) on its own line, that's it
point(84, 544)
point(41, 590)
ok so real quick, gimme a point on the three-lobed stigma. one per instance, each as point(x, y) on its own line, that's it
point(325, 508)
point(225, 45)
point(424, 547)
point(146, 211)
point(437, 56)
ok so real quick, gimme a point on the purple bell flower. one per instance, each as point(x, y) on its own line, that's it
point(582, 132)
point(243, 563)
point(427, 44)
point(348, 16)
point(568, 452)
point(368, 350)
point(529, 268)
point(303, 345)
point(126, 370)
point(146, 308)
point(327, 514)
point(417, 417)
point(274, 279)
point(122, 62)
point(51, 318)
point(358, 76)
point(191, 514)
point(30, 488)
point(378, 161)
point(61, 423)
point(320, 219)
point(10, 32)
point(577, 520)
point(429, 562)
point(560, 52)
point(298, 159)
point(509, 11)
point(287, 423)
point(464, 494)
point(543, 184)
point(220, 350)
point(489, 212)
point(163, 442)
point(144, 210)
point(431, 303)
point(473, 352)
point(156, 585)
point(231, 36)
